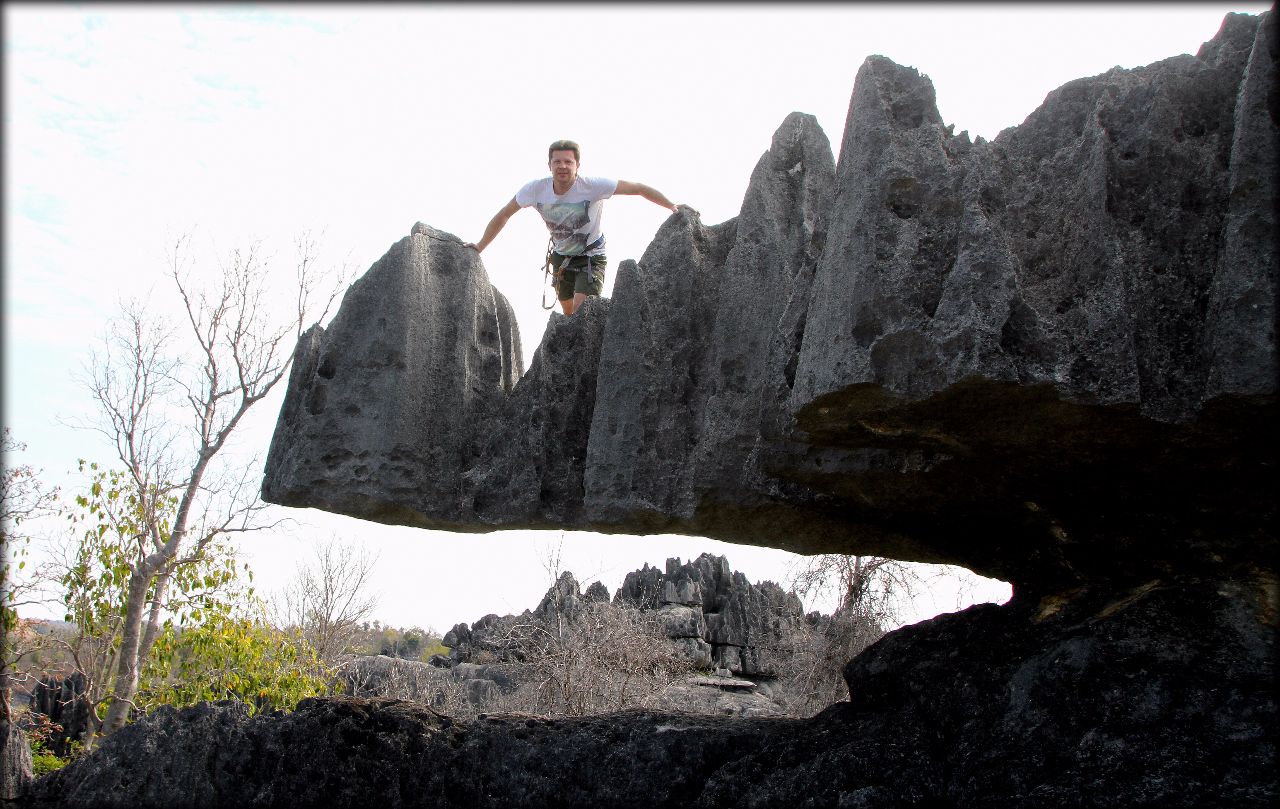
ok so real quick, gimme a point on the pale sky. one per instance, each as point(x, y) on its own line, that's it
point(125, 126)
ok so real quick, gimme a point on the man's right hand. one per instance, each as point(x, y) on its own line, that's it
point(494, 227)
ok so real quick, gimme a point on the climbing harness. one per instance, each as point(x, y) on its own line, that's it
point(548, 279)
point(552, 279)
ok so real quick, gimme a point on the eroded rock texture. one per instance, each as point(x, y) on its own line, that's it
point(728, 621)
point(1049, 358)
point(383, 405)
point(1159, 697)
point(713, 613)
point(15, 762)
point(717, 623)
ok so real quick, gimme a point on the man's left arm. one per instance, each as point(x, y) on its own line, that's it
point(648, 192)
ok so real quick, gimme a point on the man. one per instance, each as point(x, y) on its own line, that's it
point(571, 206)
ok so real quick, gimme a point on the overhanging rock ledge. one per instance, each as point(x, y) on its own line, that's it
point(1049, 358)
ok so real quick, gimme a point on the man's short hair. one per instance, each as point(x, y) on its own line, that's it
point(565, 146)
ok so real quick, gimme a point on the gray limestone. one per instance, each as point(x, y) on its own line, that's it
point(15, 762)
point(422, 325)
point(1049, 358)
point(713, 614)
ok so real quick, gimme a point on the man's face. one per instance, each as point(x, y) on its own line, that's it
point(564, 168)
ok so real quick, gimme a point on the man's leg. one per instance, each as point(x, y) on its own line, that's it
point(564, 290)
point(587, 283)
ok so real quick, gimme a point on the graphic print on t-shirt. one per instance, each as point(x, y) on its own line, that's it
point(564, 220)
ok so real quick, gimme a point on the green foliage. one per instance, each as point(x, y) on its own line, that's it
point(9, 552)
point(44, 761)
point(433, 647)
point(97, 579)
point(118, 525)
point(38, 729)
point(236, 657)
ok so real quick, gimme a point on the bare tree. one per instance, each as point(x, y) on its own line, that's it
point(868, 591)
point(865, 587)
point(601, 657)
point(329, 600)
point(551, 557)
point(170, 399)
point(23, 497)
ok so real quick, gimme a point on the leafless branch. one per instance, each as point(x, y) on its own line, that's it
point(154, 385)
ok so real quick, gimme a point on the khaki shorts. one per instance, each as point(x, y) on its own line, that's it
point(574, 278)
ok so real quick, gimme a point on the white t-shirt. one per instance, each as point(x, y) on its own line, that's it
point(573, 217)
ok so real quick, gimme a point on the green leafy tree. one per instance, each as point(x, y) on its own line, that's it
point(169, 400)
point(113, 524)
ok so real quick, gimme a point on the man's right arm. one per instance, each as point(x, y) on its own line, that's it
point(495, 226)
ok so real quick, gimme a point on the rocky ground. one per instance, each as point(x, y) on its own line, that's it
point(727, 647)
point(1086, 703)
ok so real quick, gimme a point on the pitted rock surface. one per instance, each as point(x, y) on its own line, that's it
point(1160, 696)
point(1049, 358)
point(715, 615)
point(422, 325)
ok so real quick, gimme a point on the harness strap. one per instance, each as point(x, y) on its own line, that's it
point(553, 279)
point(548, 280)
point(564, 264)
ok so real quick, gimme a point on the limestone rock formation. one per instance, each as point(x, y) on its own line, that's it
point(15, 762)
point(708, 605)
point(1160, 697)
point(489, 660)
point(66, 704)
point(422, 325)
point(1049, 358)
point(719, 618)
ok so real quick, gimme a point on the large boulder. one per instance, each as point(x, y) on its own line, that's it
point(379, 420)
point(1054, 354)
point(1049, 358)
